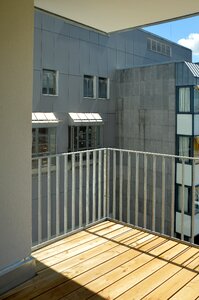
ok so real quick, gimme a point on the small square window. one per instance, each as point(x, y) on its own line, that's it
point(103, 88)
point(89, 86)
point(49, 82)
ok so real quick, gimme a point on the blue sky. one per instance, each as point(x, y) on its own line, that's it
point(183, 31)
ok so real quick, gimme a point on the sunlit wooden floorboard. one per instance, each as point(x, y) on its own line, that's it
point(113, 261)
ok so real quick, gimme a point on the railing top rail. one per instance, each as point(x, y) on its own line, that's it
point(183, 158)
point(68, 153)
point(154, 154)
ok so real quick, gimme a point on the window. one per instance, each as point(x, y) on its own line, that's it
point(196, 99)
point(158, 47)
point(49, 82)
point(196, 200)
point(89, 86)
point(184, 99)
point(196, 147)
point(43, 143)
point(187, 193)
point(184, 146)
point(83, 138)
point(103, 88)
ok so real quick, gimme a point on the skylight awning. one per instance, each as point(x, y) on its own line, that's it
point(194, 68)
point(47, 119)
point(86, 118)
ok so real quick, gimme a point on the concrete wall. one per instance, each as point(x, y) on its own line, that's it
point(146, 108)
point(16, 53)
point(146, 122)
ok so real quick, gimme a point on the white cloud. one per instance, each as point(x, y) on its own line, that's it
point(191, 42)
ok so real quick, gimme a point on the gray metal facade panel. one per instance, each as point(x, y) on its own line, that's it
point(94, 37)
point(61, 53)
point(74, 56)
point(48, 22)
point(36, 90)
point(48, 47)
point(84, 57)
point(103, 61)
point(37, 48)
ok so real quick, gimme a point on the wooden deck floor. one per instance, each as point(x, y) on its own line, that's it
point(112, 261)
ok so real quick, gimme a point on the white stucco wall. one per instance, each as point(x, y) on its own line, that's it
point(16, 52)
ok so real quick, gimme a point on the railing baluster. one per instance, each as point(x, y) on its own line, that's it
point(100, 185)
point(145, 190)
point(182, 202)
point(80, 190)
point(136, 188)
point(154, 194)
point(49, 199)
point(128, 187)
point(193, 203)
point(114, 184)
point(87, 185)
point(73, 191)
point(163, 196)
point(39, 201)
point(121, 185)
point(172, 196)
point(94, 187)
point(105, 184)
point(57, 196)
point(65, 193)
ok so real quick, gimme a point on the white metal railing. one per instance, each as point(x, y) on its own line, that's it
point(134, 187)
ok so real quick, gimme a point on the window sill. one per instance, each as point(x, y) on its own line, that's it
point(50, 95)
point(89, 98)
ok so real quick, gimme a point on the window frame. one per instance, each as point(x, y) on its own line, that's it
point(107, 88)
point(86, 96)
point(56, 72)
point(71, 137)
point(43, 155)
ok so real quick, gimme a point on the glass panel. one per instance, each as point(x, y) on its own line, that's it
point(196, 200)
point(184, 99)
point(49, 82)
point(88, 86)
point(184, 146)
point(45, 82)
point(186, 197)
point(102, 89)
point(196, 100)
point(82, 137)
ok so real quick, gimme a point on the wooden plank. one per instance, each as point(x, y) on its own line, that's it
point(74, 236)
point(68, 253)
point(116, 288)
point(75, 242)
point(49, 278)
point(171, 286)
point(160, 277)
point(189, 291)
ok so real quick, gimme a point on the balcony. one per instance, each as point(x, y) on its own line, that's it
point(104, 226)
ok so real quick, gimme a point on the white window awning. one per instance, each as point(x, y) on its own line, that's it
point(87, 118)
point(41, 118)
